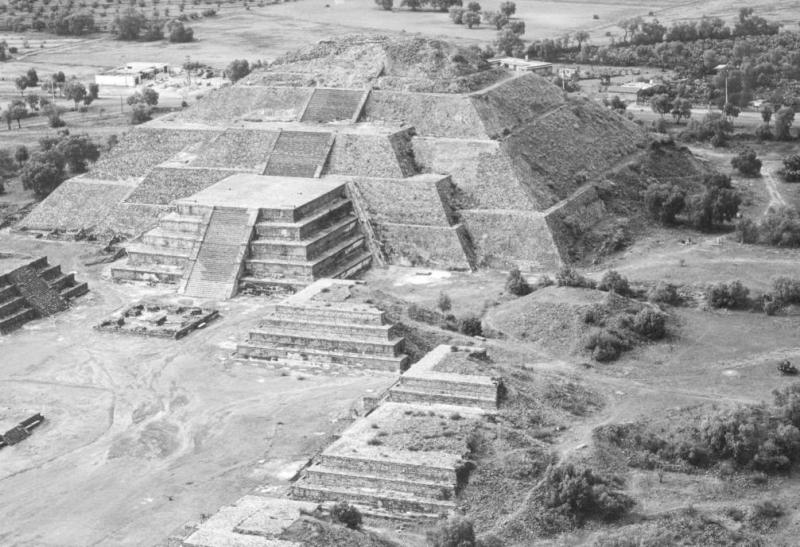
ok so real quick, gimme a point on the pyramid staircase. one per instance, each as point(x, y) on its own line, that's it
point(37, 289)
point(328, 105)
point(214, 273)
point(299, 154)
point(353, 336)
point(293, 247)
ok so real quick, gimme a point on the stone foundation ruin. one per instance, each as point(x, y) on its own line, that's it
point(158, 320)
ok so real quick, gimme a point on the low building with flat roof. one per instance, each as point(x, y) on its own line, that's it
point(523, 65)
point(130, 74)
point(631, 92)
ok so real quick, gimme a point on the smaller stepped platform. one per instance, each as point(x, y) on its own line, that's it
point(319, 326)
point(385, 479)
point(251, 233)
point(33, 288)
point(253, 521)
point(328, 105)
point(449, 375)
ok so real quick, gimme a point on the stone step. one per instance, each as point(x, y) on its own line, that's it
point(391, 501)
point(433, 384)
point(388, 468)
point(359, 331)
point(16, 319)
point(404, 395)
point(322, 357)
point(39, 263)
point(307, 226)
point(337, 478)
point(328, 342)
point(50, 272)
point(153, 273)
point(310, 269)
point(11, 306)
point(75, 291)
point(146, 256)
point(159, 237)
point(8, 292)
point(331, 314)
point(65, 280)
point(374, 513)
point(330, 105)
point(176, 223)
point(320, 203)
point(188, 208)
point(354, 266)
point(306, 249)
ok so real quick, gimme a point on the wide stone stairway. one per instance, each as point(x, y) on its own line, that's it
point(35, 288)
point(299, 154)
point(334, 105)
point(215, 271)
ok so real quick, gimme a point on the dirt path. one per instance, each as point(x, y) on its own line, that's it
point(768, 173)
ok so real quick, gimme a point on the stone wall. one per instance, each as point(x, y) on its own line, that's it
point(420, 245)
point(132, 219)
point(504, 238)
point(430, 114)
point(378, 467)
point(77, 203)
point(364, 155)
point(401, 142)
point(163, 185)
point(574, 216)
point(258, 103)
point(483, 175)
point(245, 149)
point(416, 200)
point(37, 291)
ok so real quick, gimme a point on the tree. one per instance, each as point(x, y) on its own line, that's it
point(713, 207)
point(385, 4)
point(18, 110)
point(457, 531)
point(94, 90)
point(129, 25)
point(77, 150)
point(617, 104)
point(660, 104)
point(22, 83)
point(150, 96)
point(238, 69)
point(664, 202)
point(347, 514)
point(731, 110)
point(747, 163)
point(508, 8)
point(791, 168)
point(474, 7)
point(766, 113)
point(457, 14)
point(508, 41)
point(75, 91)
point(43, 172)
point(140, 113)
point(517, 26)
point(784, 118)
point(21, 154)
point(516, 283)
point(581, 36)
point(472, 19)
point(181, 34)
point(681, 108)
point(33, 78)
point(33, 101)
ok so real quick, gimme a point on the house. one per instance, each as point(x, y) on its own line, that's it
point(630, 92)
point(130, 74)
point(523, 65)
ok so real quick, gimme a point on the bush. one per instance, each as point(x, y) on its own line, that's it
point(516, 284)
point(140, 114)
point(791, 168)
point(347, 514)
point(781, 228)
point(746, 231)
point(786, 290)
point(664, 293)
point(664, 202)
point(444, 302)
point(569, 277)
point(613, 281)
point(731, 295)
point(457, 531)
point(604, 344)
point(747, 163)
point(471, 326)
point(650, 324)
point(581, 494)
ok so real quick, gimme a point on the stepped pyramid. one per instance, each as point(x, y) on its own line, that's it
point(31, 288)
point(447, 163)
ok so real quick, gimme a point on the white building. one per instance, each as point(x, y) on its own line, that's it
point(130, 74)
point(523, 65)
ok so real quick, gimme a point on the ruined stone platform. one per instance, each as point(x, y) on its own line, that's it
point(157, 320)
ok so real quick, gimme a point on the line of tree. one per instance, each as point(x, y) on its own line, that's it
point(715, 205)
point(60, 156)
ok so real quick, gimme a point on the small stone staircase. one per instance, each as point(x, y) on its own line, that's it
point(163, 254)
point(299, 154)
point(293, 247)
point(334, 105)
point(36, 289)
point(215, 272)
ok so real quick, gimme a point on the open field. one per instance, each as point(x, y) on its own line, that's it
point(143, 435)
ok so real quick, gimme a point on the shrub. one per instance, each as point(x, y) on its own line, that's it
point(780, 227)
point(664, 202)
point(650, 324)
point(457, 531)
point(747, 163)
point(347, 514)
point(613, 281)
point(516, 284)
point(604, 344)
point(731, 295)
point(746, 231)
point(786, 290)
point(791, 168)
point(471, 326)
point(663, 293)
point(444, 302)
point(569, 277)
point(715, 206)
point(140, 113)
point(763, 133)
point(581, 494)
